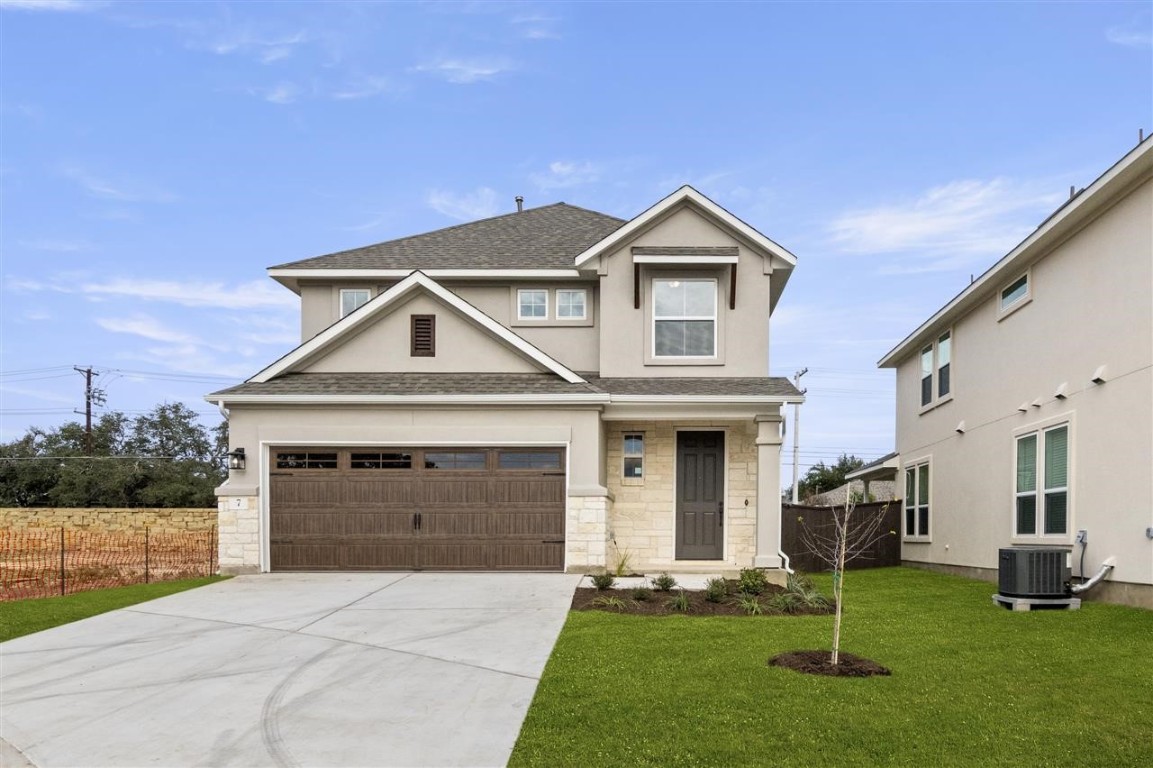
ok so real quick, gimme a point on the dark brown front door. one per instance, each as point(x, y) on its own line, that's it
point(700, 495)
point(417, 508)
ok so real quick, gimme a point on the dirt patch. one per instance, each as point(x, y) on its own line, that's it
point(661, 603)
point(818, 663)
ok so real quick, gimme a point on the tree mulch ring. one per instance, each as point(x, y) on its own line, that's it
point(658, 603)
point(818, 663)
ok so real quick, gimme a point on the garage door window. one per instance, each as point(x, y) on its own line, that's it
point(306, 461)
point(454, 460)
point(528, 460)
point(381, 461)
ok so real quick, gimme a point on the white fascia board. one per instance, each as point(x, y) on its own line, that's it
point(376, 305)
point(362, 274)
point(685, 193)
point(1090, 200)
point(705, 399)
point(653, 259)
point(581, 399)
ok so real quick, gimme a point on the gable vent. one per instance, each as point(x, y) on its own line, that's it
point(424, 335)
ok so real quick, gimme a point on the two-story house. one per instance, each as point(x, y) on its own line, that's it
point(1025, 404)
point(552, 389)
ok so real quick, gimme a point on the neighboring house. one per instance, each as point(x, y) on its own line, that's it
point(545, 390)
point(881, 490)
point(1025, 404)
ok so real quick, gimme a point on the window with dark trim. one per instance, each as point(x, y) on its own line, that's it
point(378, 460)
point(936, 370)
point(454, 460)
point(529, 460)
point(306, 460)
point(424, 335)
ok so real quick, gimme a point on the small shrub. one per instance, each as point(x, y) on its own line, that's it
point(664, 582)
point(642, 594)
point(784, 602)
point(716, 590)
point(609, 602)
point(624, 560)
point(603, 581)
point(803, 592)
point(750, 604)
point(752, 581)
point(680, 603)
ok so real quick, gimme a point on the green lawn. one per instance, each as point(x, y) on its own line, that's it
point(973, 684)
point(23, 617)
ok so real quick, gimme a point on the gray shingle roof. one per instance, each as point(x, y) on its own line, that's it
point(767, 386)
point(549, 237)
point(506, 384)
point(410, 384)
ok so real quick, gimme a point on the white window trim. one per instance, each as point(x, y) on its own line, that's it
point(584, 305)
point(1039, 428)
point(532, 318)
point(1004, 310)
point(340, 300)
point(628, 479)
point(915, 465)
point(936, 400)
point(715, 319)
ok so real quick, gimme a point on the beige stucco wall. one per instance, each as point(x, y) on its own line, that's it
point(385, 345)
point(743, 333)
point(643, 512)
point(1092, 305)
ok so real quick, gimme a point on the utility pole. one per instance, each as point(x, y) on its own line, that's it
point(797, 431)
point(91, 395)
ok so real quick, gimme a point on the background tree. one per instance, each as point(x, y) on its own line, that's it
point(164, 458)
point(847, 536)
point(821, 478)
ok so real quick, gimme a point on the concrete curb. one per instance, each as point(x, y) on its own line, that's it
point(10, 757)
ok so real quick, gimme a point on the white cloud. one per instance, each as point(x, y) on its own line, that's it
point(537, 27)
point(281, 93)
point(120, 187)
point(1131, 36)
point(362, 88)
point(465, 71)
point(479, 204)
point(56, 246)
point(257, 294)
point(264, 48)
point(562, 174)
point(947, 227)
point(48, 5)
point(146, 327)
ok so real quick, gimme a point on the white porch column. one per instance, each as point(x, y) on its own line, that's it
point(768, 491)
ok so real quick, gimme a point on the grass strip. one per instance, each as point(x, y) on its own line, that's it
point(23, 617)
point(972, 685)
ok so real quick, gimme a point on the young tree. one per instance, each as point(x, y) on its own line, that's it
point(845, 538)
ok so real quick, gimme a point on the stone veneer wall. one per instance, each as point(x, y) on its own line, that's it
point(586, 533)
point(641, 523)
point(239, 534)
point(109, 519)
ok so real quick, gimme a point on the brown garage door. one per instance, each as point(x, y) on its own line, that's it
point(417, 508)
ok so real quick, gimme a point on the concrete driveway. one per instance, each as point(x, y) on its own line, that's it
point(407, 669)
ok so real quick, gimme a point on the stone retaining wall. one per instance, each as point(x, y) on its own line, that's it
point(109, 519)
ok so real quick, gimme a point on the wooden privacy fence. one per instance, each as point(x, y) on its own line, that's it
point(43, 562)
point(885, 552)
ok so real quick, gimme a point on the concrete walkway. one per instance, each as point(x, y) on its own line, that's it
point(425, 669)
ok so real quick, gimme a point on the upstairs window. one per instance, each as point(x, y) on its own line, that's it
point(571, 304)
point(532, 304)
point(352, 299)
point(936, 370)
point(684, 318)
point(1014, 296)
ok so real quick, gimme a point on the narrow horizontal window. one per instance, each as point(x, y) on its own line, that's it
point(454, 460)
point(306, 460)
point(381, 461)
point(1015, 291)
point(529, 460)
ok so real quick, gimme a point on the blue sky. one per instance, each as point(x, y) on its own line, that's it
point(156, 157)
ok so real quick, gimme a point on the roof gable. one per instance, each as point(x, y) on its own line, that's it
point(348, 328)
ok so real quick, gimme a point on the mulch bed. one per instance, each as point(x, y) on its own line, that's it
point(817, 663)
point(658, 603)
